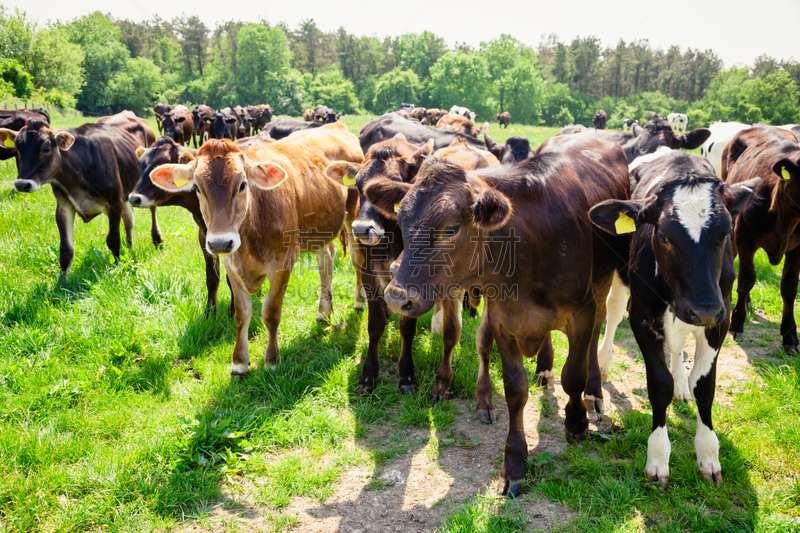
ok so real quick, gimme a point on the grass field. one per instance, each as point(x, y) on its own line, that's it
point(117, 411)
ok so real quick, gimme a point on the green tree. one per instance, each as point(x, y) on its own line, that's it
point(194, 43)
point(57, 63)
point(526, 90)
point(332, 89)
point(462, 79)
point(16, 78)
point(394, 88)
point(264, 59)
point(776, 95)
point(502, 55)
point(419, 52)
point(16, 36)
point(135, 87)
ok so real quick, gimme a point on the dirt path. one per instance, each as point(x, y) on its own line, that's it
point(418, 490)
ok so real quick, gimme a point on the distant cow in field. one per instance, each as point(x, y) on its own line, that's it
point(770, 219)
point(260, 115)
point(419, 114)
point(325, 114)
point(515, 149)
point(460, 124)
point(678, 121)
point(159, 109)
point(245, 125)
point(283, 127)
point(262, 209)
point(721, 134)
point(224, 124)
point(388, 125)
point(504, 119)
point(628, 123)
point(599, 120)
point(463, 111)
point(538, 204)
point(433, 115)
point(308, 115)
point(178, 124)
point(14, 119)
point(91, 168)
point(199, 124)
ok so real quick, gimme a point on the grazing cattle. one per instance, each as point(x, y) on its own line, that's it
point(283, 127)
point(260, 115)
point(159, 110)
point(224, 124)
point(262, 209)
point(721, 135)
point(178, 124)
point(628, 123)
point(678, 121)
point(418, 113)
point(770, 219)
point(432, 115)
point(457, 123)
point(680, 276)
point(643, 141)
point(325, 114)
point(504, 119)
point(380, 242)
point(387, 126)
point(537, 210)
point(599, 120)
point(245, 126)
point(14, 119)
point(515, 149)
point(463, 111)
point(91, 168)
point(199, 124)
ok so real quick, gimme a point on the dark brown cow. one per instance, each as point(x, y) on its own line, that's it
point(14, 119)
point(770, 219)
point(433, 115)
point(504, 119)
point(245, 125)
point(262, 209)
point(224, 124)
point(260, 115)
point(159, 110)
point(515, 148)
point(468, 229)
point(599, 120)
point(452, 122)
point(199, 123)
point(380, 242)
point(178, 124)
point(325, 114)
point(91, 168)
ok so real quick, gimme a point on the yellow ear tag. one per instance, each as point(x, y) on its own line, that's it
point(396, 208)
point(785, 173)
point(624, 224)
point(8, 143)
point(348, 180)
point(179, 182)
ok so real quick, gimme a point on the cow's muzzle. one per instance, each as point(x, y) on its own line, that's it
point(405, 301)
point(368, 233)
point(139, 200)
point(26, 186)
point(222, 243)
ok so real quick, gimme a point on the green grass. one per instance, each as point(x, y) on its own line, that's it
point(104, 425)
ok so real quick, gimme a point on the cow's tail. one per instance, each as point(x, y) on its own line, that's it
point(343, 240)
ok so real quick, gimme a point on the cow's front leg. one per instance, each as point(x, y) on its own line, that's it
point(65, 220)
point(405, 367)
point(702, 382)
point(271, 313)
point(129, 221)
point(484, 342)
point(544, 364)
point(155, 230)
point(791, 270)
point(575, 374)
point(747, 279)
point(243, 313)
point(451, 333)
point(376, 325)
point(113, 240)
point(325, 265)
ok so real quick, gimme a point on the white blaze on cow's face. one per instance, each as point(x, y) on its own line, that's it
point(693, 207)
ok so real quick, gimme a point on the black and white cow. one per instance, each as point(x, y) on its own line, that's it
point(628, 123)
point(463, 111)
point(678, 121)
point(680, 276)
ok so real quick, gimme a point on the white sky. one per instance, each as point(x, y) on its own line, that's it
point(737, 30)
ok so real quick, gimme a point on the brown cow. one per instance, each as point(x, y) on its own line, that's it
point(380, 242)
point(482, 221)
point(504, 118)
point(599, 120)
point(419, 114)
point(263, 208)
point(14, 119)
point(159, 109)
point(770, 219)
point(91, 168)
point(199, 124)
point(308, 115)
point(178, 124)
point(460, 124)
point(433, 115)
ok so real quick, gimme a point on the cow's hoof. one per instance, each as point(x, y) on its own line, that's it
point(364, 390)
point(661, 480)
point(545, 379)
point(512, 489)
point(598, 407)
point(715, 477)
point(487, 416)
point(573, 438)
point(238, 375)
point(439, 396)
point(408, 389)
point(358, 307)
point(322, 319)
point(790, 349)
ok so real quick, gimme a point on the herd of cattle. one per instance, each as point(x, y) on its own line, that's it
point(563, 237)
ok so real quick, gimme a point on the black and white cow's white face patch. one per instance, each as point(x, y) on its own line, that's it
point(693, 208)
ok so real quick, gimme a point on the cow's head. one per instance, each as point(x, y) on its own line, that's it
point(197, 119)
point(658, 133)
point(219, 125)
point(444, 217)
point(39, 148)
point(396, 160)
point(687, 224)
point(515, 149)
point(172, 123)
point(165, 150)
point(223, 179)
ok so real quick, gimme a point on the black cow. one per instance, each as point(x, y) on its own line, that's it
point(515, 148)
point(680, 276)
point(159, 110)
point(284, 127)
point(325, 114)
point(224, 124)
point(92, 169)
point(260, 114)
point(245, 126)
point(14, 119)
point(387, 126)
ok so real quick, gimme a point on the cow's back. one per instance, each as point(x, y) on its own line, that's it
point(102, 150)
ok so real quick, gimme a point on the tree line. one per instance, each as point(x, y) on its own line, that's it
point(99, 64)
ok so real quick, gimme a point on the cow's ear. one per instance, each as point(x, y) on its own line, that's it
point(343, 172)
point(173, 178)
point(737, 196)
point(386, 195)
point(230, 120)
point(400, 137)
point(491, 209)
point(266, 174)
point(185, 158)
point(424, 151)
point(786, 169)
point(208, 119)
point(64, 140)
point(7, 137)
point(140, 151)
point(180, 119)
point(694, 138)
point(618, 217)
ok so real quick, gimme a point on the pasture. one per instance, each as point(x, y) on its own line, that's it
point(118, 413)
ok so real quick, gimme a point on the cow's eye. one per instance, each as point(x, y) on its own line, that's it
point(242, 187)
point(196, 189)
point(451, 231)
point(663, 239)
point(45, 148)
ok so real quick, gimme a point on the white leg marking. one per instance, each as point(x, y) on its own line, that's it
point(615, 307)
point(437, 319)
point(706, 446)
point(681, 380)
point(704, 357)
point(658, 450)
point(238, 369)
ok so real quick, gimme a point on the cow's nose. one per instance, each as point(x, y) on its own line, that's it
point(135, 200)
point(397, 299)
point(23, 186)
point(706, 315)
point(225, 243)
